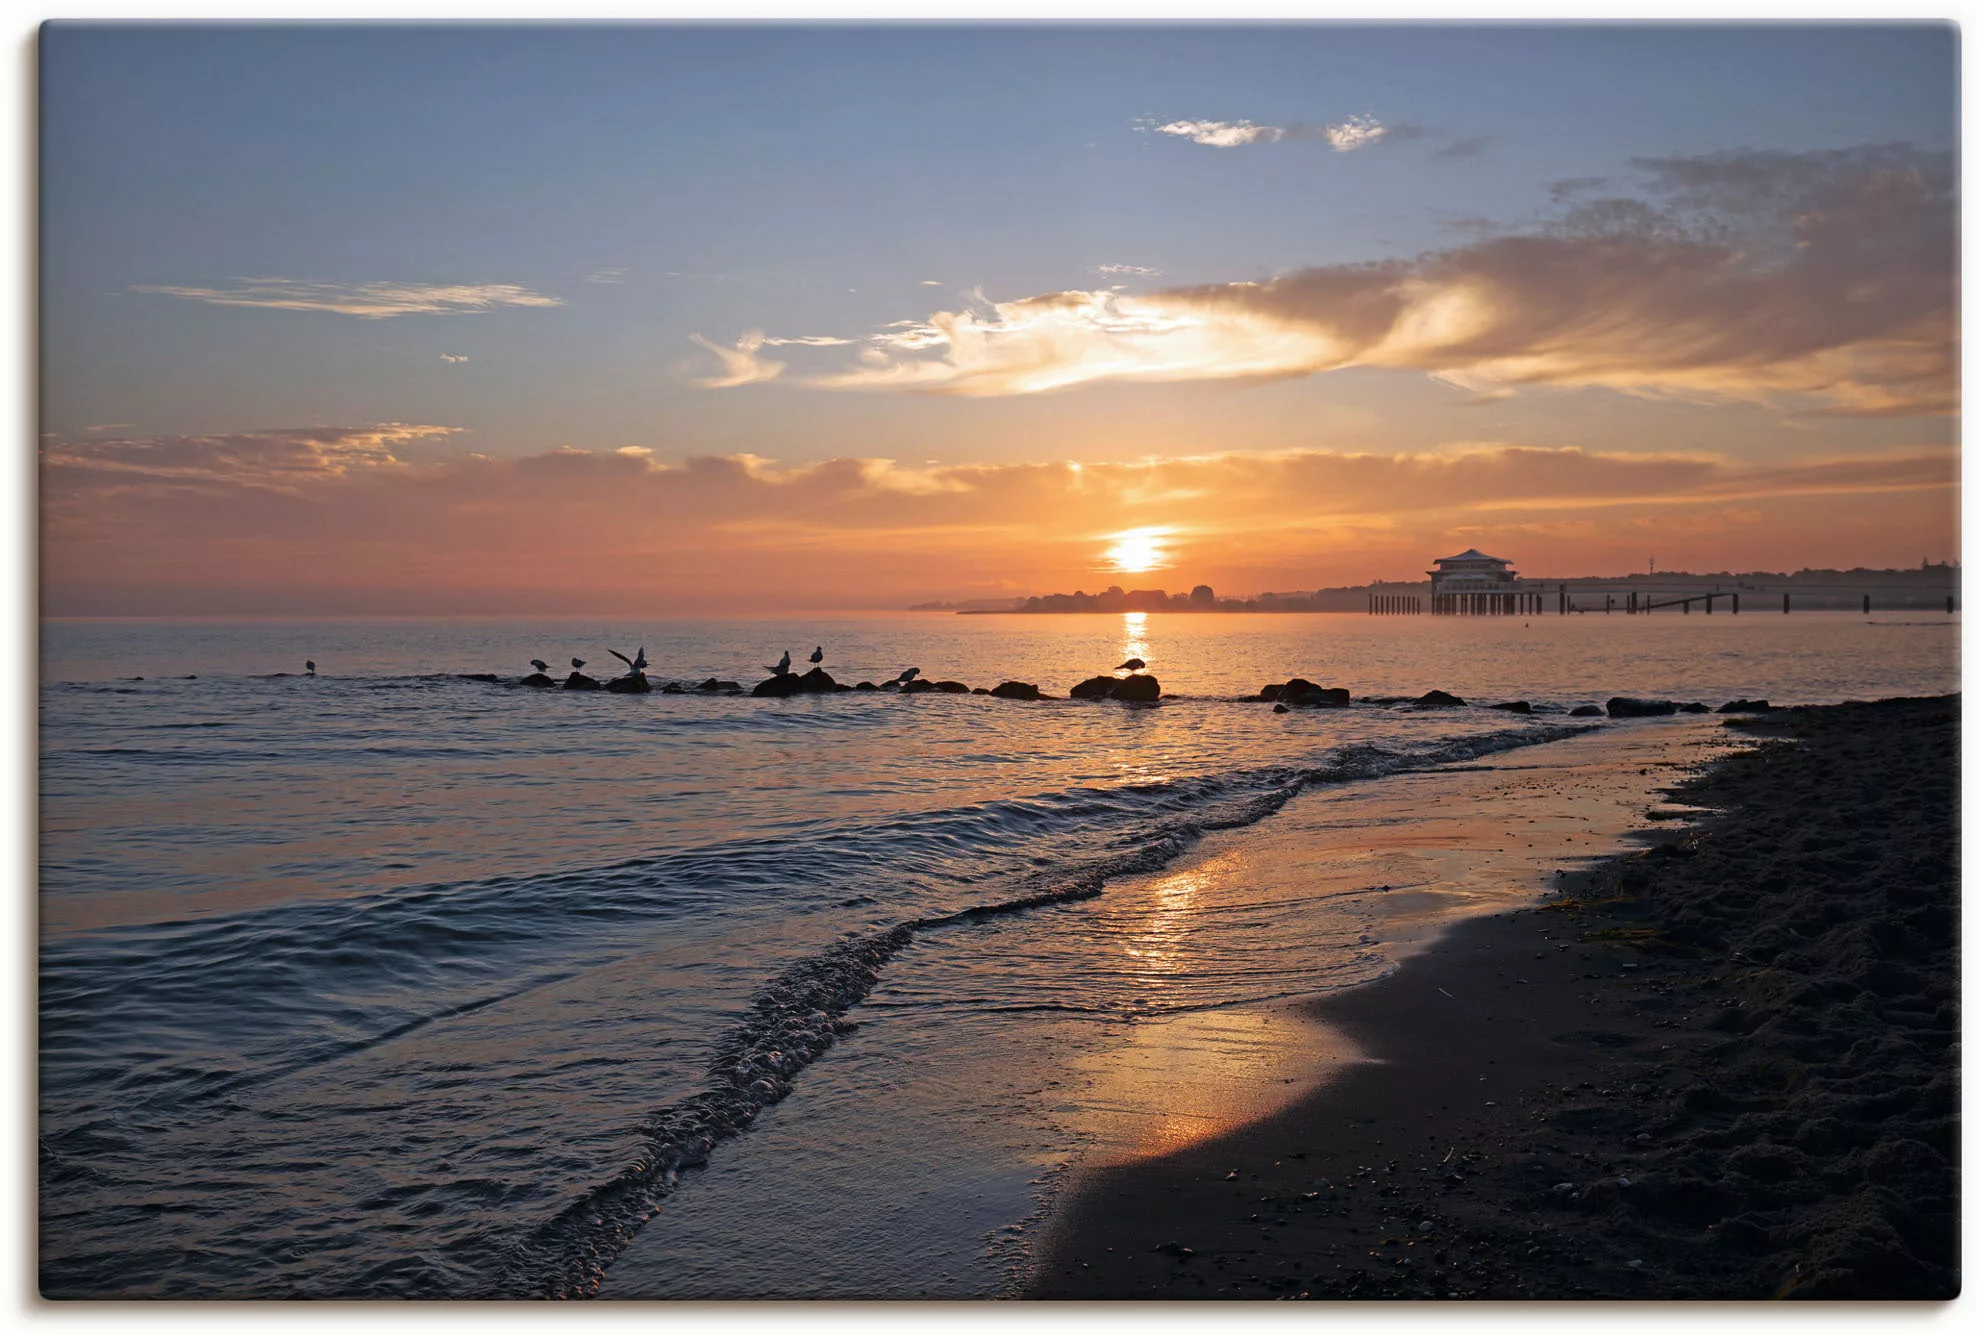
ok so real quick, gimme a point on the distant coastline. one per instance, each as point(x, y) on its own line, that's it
point(1924, 588)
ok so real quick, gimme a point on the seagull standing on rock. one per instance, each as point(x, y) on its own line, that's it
point(818, 656)
point(1133, 665)
point(577, 663)
point(309, 667)
point(540, 664)
point(784, 667)
point(908, 674)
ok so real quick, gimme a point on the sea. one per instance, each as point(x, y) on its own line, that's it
point(396, 981)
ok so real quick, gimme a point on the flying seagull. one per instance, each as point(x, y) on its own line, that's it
point(784, 667)
point(819, 655)
point(1132, 665)
point(908, 675)
point(309, 667)
point(639, 662)
point(578, 663)
point(540, 664)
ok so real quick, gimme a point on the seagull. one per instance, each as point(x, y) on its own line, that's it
point(578, 663)
point(540, 664)
point(818, 656)
point(1132, 665)
point(908, 674)
point(639, 662)
point(784, 667)
point(309, 667)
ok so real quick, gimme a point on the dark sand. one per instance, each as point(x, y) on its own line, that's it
point(1723, 1068)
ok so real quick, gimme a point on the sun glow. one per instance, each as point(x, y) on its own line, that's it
point(1138, 551)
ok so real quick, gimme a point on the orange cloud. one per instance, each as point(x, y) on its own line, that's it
point(367, 519)
point(1827, 277)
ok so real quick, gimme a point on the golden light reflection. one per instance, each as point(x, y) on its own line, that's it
point(1160, 946)
point(1135, 645)
point(1138, 551)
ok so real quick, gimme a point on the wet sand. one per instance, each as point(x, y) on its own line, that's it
point(1722, 1068)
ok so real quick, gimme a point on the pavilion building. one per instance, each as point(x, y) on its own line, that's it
point(1477, 584)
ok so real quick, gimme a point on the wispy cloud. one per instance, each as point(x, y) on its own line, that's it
point(371, 301)
point(454, 360)
point(257, 460)
point(607, 276)
point(741, 363)
point(1825, 276)
point(1344, 136)
point(1126, 271)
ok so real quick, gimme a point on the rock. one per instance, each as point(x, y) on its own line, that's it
point(1693, 708)
point(1746, 706)
point(776, 687)
point(1621, 707)
point(841, 688)
point(713, 686)
point(1438, 699)
point(1281, 708)
point(537, 681)
point(1514, 706)
point(980, 690)
point(1138, 689)
point(634, 683)
point(1096, 687)
point(490, 677)
point(1315, 697)
point(817, 682)
point(1017, 690)
point(865, 685)
point(1269, 693)
point(672, 688)
point(890, 685)
point(918, 687)
point(580, 681)
point(1587, 711)
point(1386, 700)
point(954, 687)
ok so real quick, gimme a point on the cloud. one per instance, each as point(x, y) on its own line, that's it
point(1126, 270)
point(741, 363)
point(1823, 280)
point(607, 276)
point(1345, 136)
point(929, 282)
point(370, 518)
point(454, 360)
point(371, 301)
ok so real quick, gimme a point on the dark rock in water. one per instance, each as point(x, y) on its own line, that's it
point(865, 685)
point(1438, 699)
point(1017, 690)
point(634, 683)
point(1587, 711)
point(1096, 687)
point(1621, 707)
point(954, 687)
point(817, 682)
point(1693, 708)
point(980, 690)
point(714, 686)
point(490, 677)
point(1514, 706)
point(580, 681)
point(776, 687)
point(1386, 700)
point(1746, 706)
point(1281, 708)
point(890, 685)
point(841, 688)
point(917, 687)
point(1269, 693)
point(1308, 695)
point(672, 688)
point(537, 681)
point(1138, 689)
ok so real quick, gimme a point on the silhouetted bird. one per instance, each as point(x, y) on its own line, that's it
point(540, 664)
point(908, 674)
point(784, 667)
point(639, 662)
point(819, 655)
point(578, 663)
point(309, 667)
point(1133, 665)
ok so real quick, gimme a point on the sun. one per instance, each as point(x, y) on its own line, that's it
point(1138, 551)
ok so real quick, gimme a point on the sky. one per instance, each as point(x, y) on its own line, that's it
point(680, 319)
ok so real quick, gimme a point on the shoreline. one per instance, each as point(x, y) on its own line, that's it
point(1721, 1068)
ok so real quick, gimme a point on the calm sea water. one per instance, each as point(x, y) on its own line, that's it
point(389, 982)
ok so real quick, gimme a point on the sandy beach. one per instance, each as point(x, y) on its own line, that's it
point(1721, 1068)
